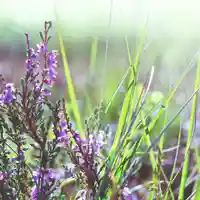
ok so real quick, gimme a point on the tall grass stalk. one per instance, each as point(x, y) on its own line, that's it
point(127, 99)
point(93, 54)
point(197, 184)
point(71, 90)
point(189, 138)
point(173, 169)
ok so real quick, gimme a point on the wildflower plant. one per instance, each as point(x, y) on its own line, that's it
point(24, 128)
point(95, 170)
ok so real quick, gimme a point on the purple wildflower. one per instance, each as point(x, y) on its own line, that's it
point(41, 48)
point(48, 178)
point(36, 175)
point(51, 175)
point(45, 92)
point(34, 193)
point(63, 123)
point(32, 61)
point(48, 175)
point(51, 72)
point(52, 65)
point(20, 155)
point(3, 175)
point(96, 142)
point(128, 195)
point(76, 136)
point(61, 130)
point(8, 94)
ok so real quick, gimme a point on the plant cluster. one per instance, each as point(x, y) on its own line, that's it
point(43, 156)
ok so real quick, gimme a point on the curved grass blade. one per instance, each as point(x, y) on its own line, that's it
point(156, 140)
point(197, 184)
point(116, 91)
point(190, 135)
point(140, 104)
point(93, 54)
point(72, 94)
point(191, 66)
point(124, 143)
point(173, 169)
point(128, 95)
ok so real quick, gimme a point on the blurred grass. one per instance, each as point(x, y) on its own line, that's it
point(70, 85)
point(93, 54)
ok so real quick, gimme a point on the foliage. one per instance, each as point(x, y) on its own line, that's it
point(44, 157)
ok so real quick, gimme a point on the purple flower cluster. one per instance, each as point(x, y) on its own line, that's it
point(44, 78)
point(61, 131)
point(96, 142)
point(48, 176)
point(34, 193)
point(3, 175)
point(8, 94)
point(50, 73)
point(25, 116)
point(32, 62)
point(52, 65)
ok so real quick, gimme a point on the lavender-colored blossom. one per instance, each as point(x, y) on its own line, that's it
point(63, 123)
point(45, 92)
point(96, 141)
point(21, 155)
point(37, 85)
point(61, 130)
point(8, 94)
point(51, 72)
point(41, 48)
point(48, 175)
point(128, 195)
point(76, 136)
point(32, 61)
point(34, 193)
point(3, 175)
point(52, 64)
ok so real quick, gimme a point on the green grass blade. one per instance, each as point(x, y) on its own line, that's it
point(116, 91)
point(157, 139)
point(174, 167)
point(189, 138)
point(93, 54)
point(72, 94)
point(152, 124)
point(146, 135)
point(124, 140)
point(168, 100)
point(128, 95)
point(197, 184)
